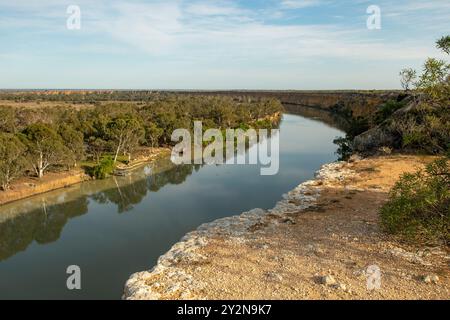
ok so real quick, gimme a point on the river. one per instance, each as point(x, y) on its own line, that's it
point(118, 226)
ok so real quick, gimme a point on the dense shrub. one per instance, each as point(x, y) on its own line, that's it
point(425, 128)
point(419, 205)
point(104, 169)
point(344, 150)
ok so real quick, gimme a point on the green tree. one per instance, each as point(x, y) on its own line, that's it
point(407, 78)
point(74, 141)
point(96, 148)
point(7, 120)
point(433, 82)
point(167, 120)
point(125, 131)
point(45, 147)
point(12, 162)
point(153, 133)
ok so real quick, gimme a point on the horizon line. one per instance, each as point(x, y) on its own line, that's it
point(187, 90)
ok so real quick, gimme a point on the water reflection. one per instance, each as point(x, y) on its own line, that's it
point(132, 189)
point(44, 219)
point(43, 225)
point(327, 117)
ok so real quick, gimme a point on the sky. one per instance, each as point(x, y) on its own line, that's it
point(223, 44)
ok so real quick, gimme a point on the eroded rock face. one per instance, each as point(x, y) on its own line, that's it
point(168, 277)
point(383, 135)
point(374, 139)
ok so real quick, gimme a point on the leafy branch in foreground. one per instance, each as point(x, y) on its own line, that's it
point(444, 44)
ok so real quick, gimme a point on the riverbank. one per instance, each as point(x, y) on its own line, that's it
point(316, 243)
point(31, 186)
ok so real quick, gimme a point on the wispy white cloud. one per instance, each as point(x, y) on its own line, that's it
point(217, 8)
point(416, 9)
point(203, 31)
point(153, 27)
point(419, 5)
point(298, 4)
point(216, 38)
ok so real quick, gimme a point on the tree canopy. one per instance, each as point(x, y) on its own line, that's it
point(65, 129)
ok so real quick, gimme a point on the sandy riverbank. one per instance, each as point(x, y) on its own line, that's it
point(326, 228)
point(30, 186)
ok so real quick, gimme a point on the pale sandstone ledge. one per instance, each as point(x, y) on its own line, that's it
point(316, 243)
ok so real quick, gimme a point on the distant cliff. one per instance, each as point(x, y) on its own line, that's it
point(360, 103)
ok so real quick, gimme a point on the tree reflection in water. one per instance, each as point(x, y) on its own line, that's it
point(46, 218)
point(43, 225)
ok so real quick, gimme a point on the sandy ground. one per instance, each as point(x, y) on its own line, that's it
point(287, 257)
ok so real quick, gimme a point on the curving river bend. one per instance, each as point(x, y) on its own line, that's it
point(115, 227)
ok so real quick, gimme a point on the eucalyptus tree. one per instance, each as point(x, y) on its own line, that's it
point(8, 121)
point(74, 141)
point(152, 134)
point(45, 147)
point(12, 161)
point(96, 147)
point(125, 132)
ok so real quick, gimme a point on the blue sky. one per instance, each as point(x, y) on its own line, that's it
point(207, 44)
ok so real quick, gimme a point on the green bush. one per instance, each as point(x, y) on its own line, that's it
point(424, 129)
point(357, 126)
point(414, 139)
point(419, 205)
point(387, 109)
point(104, 168)
point(344, 150)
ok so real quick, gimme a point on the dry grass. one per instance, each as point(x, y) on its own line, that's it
point(29, 186)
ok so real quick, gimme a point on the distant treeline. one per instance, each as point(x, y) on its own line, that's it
point(35, 140)
point(84, 96)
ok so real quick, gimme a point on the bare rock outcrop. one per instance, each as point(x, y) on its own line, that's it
point(374, 139)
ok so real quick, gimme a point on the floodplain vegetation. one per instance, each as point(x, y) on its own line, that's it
point(45, 131)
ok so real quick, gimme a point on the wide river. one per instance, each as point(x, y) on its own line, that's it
point(118, 226)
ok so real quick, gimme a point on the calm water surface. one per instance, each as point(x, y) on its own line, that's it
point(115, 227)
